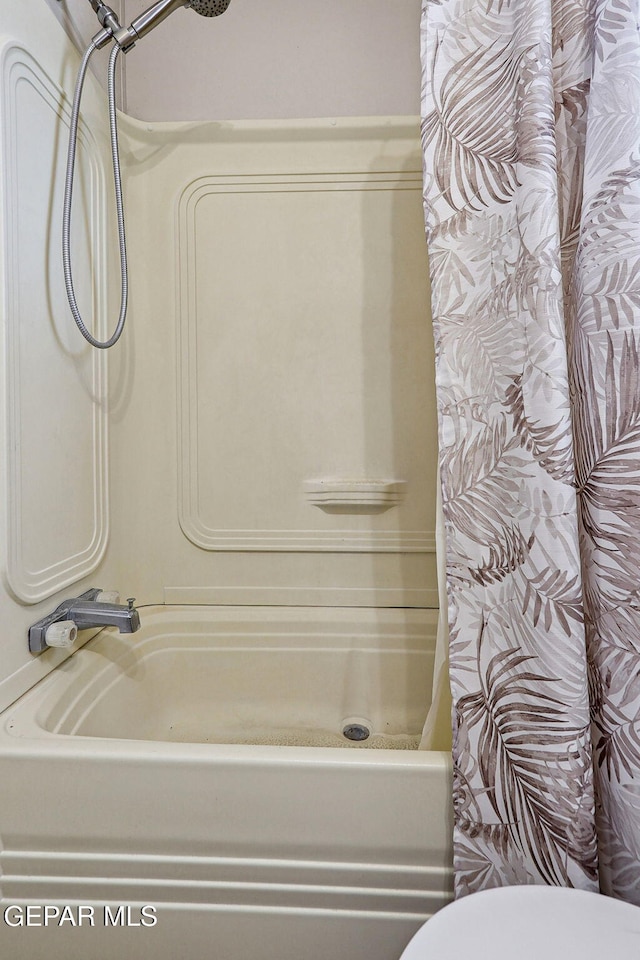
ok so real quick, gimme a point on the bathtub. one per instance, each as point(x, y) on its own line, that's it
point(199, 767)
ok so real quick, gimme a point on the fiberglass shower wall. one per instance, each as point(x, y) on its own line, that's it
point(279, 383)
point(270, 412)
point(56, 457)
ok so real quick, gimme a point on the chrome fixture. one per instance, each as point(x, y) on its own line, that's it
point(87, 611)
point(124, 38)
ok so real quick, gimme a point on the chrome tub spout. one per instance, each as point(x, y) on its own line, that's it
point(93, 613)
point(88, 611)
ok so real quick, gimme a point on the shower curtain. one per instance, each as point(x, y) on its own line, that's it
point(531, 138)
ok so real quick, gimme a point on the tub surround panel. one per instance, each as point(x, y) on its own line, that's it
point(302, 345)
point(53, 485)
point(283, 328)
point(308, 596)
point(56, 395)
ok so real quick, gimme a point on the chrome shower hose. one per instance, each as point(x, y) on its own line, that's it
point(68, 196)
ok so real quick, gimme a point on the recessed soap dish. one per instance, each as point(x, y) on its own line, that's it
point(355, 496)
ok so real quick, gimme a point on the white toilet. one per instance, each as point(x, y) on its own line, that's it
point(530, 923)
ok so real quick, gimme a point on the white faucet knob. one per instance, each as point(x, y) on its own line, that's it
point(61, 634)
point(108, 596)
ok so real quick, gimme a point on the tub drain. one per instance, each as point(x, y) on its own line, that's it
point(356, 731)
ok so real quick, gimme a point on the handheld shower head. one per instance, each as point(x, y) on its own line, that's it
point(159, 11)
point(209, 8)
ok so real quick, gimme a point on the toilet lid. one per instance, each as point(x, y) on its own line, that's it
point(530, 923)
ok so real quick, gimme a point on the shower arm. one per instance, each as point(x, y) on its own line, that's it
point(126, 37)
point(111, 28)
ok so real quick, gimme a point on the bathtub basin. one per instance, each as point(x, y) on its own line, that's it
point(199, 766)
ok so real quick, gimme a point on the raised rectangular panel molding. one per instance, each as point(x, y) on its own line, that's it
point(303, 341)
point(57, 518)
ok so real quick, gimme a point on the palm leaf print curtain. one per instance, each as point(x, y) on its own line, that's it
point(531, 138)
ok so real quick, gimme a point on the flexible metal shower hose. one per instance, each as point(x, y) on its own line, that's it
point(68, 196)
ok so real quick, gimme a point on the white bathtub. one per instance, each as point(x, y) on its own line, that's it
point(199, 766)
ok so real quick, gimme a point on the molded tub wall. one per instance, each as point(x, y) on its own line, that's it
point(54, 505)
point(280, 338)
point(280, 321)
point(279, 332)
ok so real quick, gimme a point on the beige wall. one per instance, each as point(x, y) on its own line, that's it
point(269, 59)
